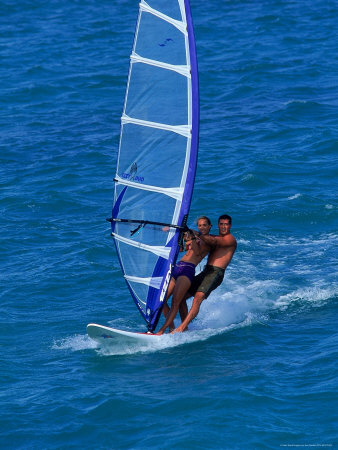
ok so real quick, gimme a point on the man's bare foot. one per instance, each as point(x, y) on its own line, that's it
point(178, 330)
point(159, 333)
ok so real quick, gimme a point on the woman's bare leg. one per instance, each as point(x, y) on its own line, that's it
point(182, 285)
point(166, 308)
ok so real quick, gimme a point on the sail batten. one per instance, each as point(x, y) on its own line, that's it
point(149, 281)
point(157, 151)
point(176, 192)
point(183, 70)
point(184, 130)
point(163, 252)
point(179, 25)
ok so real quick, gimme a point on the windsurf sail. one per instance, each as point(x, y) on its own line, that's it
point(157, 151)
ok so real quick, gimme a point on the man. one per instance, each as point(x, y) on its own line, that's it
point(223, 248)
point(184, 272)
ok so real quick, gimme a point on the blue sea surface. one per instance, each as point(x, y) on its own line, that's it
point(258, 368)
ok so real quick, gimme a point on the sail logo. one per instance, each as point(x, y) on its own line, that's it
point(127, 176)
point(133, 171)
point(131, 176)
point(166, 42)
point(166, 284)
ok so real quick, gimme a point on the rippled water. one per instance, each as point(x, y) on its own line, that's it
point(258, 366)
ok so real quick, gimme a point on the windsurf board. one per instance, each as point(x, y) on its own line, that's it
point(106, 335)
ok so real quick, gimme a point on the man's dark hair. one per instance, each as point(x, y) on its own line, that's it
point(225, 217)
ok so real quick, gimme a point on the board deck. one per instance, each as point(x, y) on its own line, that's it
point(103, 334)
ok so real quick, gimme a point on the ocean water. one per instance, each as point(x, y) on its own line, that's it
point(258, 368)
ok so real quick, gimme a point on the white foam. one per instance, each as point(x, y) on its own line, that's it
point(315, 296)
point(290, 102)
point(75, 343)
point(293, 197)
point(248, 177)
point(243, 242)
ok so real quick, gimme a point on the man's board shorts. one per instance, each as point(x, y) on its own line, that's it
point(183, 268)
point(207, 281)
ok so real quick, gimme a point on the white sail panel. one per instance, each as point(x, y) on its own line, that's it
point(136, 260)
point(138, 147)
point(145, 205)
point(157, 95)
point(170, 50)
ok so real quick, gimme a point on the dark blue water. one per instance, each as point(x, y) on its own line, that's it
point(258, 368)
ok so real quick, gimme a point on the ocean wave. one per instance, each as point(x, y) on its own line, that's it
point(312, 296)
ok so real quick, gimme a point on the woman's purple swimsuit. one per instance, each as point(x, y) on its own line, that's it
point(183, 268)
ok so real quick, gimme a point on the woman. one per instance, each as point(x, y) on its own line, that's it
point(184, 272)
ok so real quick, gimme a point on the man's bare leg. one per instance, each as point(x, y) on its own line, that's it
point(194, 310)
point(182, 285)
point(183, 309)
